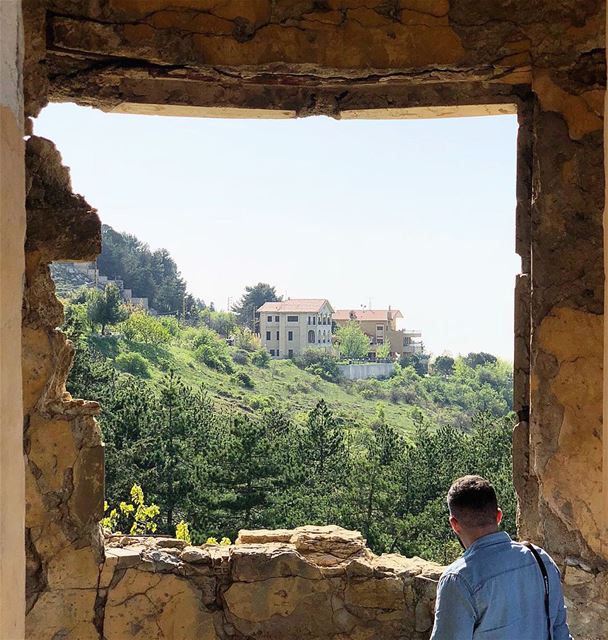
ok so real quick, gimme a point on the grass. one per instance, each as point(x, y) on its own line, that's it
point(281, 384)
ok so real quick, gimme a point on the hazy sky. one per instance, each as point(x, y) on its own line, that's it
point(416, 214)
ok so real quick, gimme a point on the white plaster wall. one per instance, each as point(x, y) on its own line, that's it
point(366, 370)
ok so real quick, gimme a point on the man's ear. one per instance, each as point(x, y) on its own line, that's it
point(499, 516)
point(455, 525)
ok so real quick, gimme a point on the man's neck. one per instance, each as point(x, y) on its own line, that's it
point(471, 537)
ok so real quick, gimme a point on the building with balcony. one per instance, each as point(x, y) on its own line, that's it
point(380, 325)
point(290, 327)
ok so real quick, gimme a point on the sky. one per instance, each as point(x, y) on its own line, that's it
point(415, 214)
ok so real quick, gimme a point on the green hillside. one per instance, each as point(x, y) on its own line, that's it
point(281, 384)
point(220, 437)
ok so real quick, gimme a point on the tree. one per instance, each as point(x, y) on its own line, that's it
point(323, 464)
point(352, 342)
point(474, 360)
point(383, 352)
point(443, 365)
point(243, 473)
point(373, 485)
point(419, 361)
point(253, 298)
point(106, 307)
point(152, 275)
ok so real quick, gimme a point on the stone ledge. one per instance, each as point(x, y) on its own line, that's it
point(322, 581)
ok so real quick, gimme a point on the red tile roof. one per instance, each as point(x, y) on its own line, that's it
point(295, 305)
point(375, 315)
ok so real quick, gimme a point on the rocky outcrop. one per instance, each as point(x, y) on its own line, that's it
point(305, 583)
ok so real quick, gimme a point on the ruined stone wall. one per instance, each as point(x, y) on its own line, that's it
point(12, 233)
point(309, 583)
point(62, 442)
point(401, 58)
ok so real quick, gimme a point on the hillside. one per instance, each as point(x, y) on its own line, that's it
point(149, 274)
point(219, 437)
point(223, 439)
point(281, 384)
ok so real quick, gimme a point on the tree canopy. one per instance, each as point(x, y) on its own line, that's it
point(253, 298)
point(351, 341)
point(106, 307)
point(150, 274)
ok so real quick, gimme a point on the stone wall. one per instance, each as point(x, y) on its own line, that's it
point(343, 58)
point(309, 583)
point(62, 442)
point(12, 233)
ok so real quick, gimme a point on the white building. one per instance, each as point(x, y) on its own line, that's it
point(288, 328)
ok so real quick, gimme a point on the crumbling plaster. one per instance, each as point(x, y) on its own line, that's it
point(345, 57)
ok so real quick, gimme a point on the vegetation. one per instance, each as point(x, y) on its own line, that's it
point(320, 363)
point(218, 437)
point(137, 517)
point(105, 307)
point(351, 341)
point(150, 274)
point(216, 445)
point(253, 298)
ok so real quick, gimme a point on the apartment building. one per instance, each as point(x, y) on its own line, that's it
point(290, 327)
point(380, 325)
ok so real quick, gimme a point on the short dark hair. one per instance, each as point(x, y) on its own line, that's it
point(472, 501)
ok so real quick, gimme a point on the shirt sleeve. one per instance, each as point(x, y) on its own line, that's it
point(454, 611)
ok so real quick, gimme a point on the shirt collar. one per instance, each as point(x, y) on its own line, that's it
point(488, 540)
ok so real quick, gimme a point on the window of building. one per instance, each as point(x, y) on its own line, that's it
point(277, 353)
point(290, 335)
point(311, 337)
point(276, 318)
point(272, 352)
point(314, 320)
point(277, 335)
point(290, 353)
point(309, 320)
point(379, 328)
point(379, 340)
point(292, 318)
point(269, 318)
point(268, 335)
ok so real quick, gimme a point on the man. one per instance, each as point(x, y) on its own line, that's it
point(496, 590)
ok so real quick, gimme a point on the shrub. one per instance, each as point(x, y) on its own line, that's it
point(419, 361)
point(320, 363)
point(244, 379)
point(133, 363)
point(138, 517)
point(171, 323)
point(260, 402)
point(240, 357)
point(260, 358)
point(244, 338)
point(182, 532)
point(371, 389)
point(212, 350)
point(142, 327)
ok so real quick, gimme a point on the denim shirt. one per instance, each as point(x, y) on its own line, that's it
point(495, 591)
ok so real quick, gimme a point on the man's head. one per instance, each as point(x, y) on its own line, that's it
point(473, 508)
